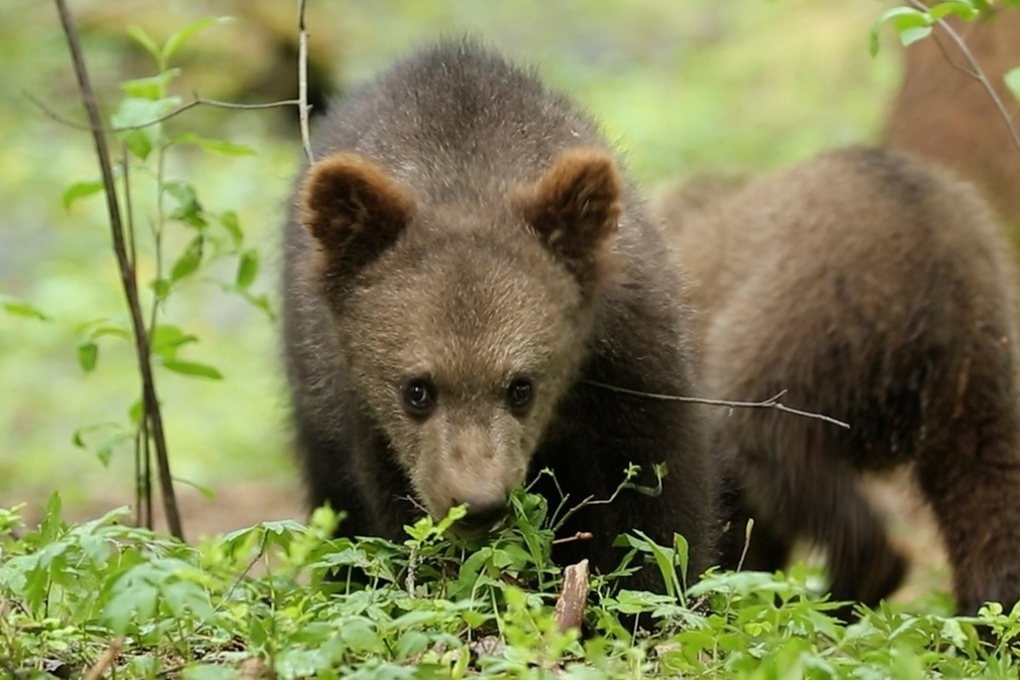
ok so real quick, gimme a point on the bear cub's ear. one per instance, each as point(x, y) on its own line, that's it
point(353, 209)
point(574, 207)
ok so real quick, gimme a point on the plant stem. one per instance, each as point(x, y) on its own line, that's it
point(303, 107)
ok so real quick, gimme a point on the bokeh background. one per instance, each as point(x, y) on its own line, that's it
point(682, 87)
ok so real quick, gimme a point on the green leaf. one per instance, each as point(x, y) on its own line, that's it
point(1012, 80)
point(260, 302)
point(138, 142)
point(182, 36)
point(682, 556)
point(21, 308)
point(911, 34)
point(78, 438)
point(114, 326)
point(206, 491)
point(247, 268)
point(130, 601)
point(166, 339)
point(104, 452)
point(230, 222)
point(665, 559)
point(215, 145)
point(225, 148)
point(143, 39)
point(80, 190)
point(193, 368)
point(136, 411)
point(161, 288)
point(361, 636)
point(903, 19)
point(87, 349)
point(189, 210)
point(137, 112)
point(52, 523)
point(116, 435)
point(189, 261)
point(965, 10)
point(152, 87)
point(411, 644)
point(182, 597)
point(88, 354)
point(135, 118)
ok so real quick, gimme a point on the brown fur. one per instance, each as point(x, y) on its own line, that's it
point(875, 290)
point(944, 114)
point(465, 240)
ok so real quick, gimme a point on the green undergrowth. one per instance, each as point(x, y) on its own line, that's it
point(281, 599)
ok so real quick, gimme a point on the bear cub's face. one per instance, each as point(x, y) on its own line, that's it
point(461, 327)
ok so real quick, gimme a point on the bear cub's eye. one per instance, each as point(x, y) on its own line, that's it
point(519, 395)
point(419, 396)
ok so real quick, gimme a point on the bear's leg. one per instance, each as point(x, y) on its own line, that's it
point(762, 550)
point(808, 493)
point(973, 484)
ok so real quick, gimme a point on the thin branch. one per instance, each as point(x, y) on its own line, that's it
point(263, 543)
point(579, 536)
point(303, 107)
point(771, 402)
point(976, 71)
point(127, 272)
point(197, 101)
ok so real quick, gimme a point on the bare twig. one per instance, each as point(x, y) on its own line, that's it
point(259, 554)
point(976, 71)
point(108, 657)
point(303, 107)
point(579, 536)
point(197, 101)
point(587, 500)
point(771, 402)
point(127, 272)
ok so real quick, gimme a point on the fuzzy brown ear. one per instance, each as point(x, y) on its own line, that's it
point(353, 209)
point(575, 207)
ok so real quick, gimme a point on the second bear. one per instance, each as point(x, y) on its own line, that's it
point(878, 291)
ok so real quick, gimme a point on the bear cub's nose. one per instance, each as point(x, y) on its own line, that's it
point(482, 516)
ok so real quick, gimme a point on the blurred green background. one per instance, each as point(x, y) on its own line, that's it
point(682, 87)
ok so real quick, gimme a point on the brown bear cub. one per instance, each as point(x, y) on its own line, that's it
point(461, 260)
point(878, 291)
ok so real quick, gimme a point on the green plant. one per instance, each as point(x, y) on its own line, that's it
point(430, 607)
point(162, 233)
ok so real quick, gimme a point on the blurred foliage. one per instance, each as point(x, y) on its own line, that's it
point(683, 87)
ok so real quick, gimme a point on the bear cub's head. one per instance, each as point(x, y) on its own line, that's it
point(462, 311)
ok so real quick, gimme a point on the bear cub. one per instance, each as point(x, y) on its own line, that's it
point(461, 262)
point(877, 290)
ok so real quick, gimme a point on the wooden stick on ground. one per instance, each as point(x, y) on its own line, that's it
point(573, 597)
